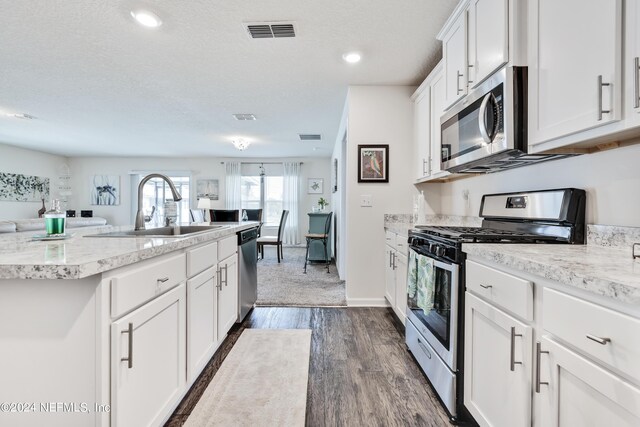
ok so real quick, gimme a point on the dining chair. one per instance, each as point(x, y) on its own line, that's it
point(254, 215)
point(324, 238)
point(274, 240)
point(224, 215)
point(197, 215)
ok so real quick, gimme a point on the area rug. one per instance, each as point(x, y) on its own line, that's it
point(285, 284)
point(262, 382)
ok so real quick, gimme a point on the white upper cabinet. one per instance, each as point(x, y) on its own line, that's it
point(488, 35)
point(575, 66)
point(437, 108)
point(421, 134)
point(632, 63)
point(454, 52)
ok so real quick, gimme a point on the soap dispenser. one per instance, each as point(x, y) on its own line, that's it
point(54, 219)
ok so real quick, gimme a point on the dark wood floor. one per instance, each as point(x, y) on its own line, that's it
point(360, 373)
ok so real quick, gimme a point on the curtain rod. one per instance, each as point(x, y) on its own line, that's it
point(262, 163)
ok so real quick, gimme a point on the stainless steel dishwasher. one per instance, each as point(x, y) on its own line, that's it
point(247, 271)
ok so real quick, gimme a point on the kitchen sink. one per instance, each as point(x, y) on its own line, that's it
point(177, 231)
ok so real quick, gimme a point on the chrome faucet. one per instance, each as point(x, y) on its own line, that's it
point(140, 214)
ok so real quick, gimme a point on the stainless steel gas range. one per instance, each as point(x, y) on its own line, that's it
point(435, 303)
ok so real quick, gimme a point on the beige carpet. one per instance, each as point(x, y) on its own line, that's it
point(263, 381)
point(285, 284)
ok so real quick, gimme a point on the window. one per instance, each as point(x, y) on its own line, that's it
point(155, 192)
point(266, 193)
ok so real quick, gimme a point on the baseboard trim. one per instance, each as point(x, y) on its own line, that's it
point(367, 302)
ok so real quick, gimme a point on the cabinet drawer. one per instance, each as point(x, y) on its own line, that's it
point(141, 282)
point(201, 258)
point(401, 244)
point(390, 238)
point(505, 290)
point(574, 320)
point(227, 247)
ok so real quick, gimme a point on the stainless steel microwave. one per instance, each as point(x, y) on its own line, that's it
point(487, 130)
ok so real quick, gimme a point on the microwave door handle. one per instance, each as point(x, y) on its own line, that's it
point(481, 118)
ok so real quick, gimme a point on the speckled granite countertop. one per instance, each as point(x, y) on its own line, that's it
point(78, 257)
point(402, 223)
point(607, 271)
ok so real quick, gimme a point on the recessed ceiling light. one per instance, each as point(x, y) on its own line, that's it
point(244, 116)
point(146, 18)
point(352, 57)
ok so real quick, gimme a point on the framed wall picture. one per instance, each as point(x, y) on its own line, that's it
point(208, 189)
point(373, 163)
point(315, 186)
point(105, 190)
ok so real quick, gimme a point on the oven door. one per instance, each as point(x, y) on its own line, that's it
point(439, 326)
point(473, 129)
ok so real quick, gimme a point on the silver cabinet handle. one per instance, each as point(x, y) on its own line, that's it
point(429, 170)
point(600, 85)
point(163, 279)
point(390, 255)
point(539, 351)
point(226, 275)
point(636, 83)
point(129, 357)
point(599, 340)
point(486, 286)
point(424, 349)
point(219, 279)
point(512, 359)
point(394, 266)
point(458, 90)
point(424, 167)
point(469, 66)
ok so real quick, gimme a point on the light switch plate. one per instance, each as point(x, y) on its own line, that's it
point(365, 201)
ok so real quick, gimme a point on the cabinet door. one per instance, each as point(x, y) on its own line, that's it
point(577, 392)
point(632, 62)
point(202, 302)
point(227, 295)
point(574, 66)
point(421, 136)
point(497, 362)
point(148, 367)
point(401, 286)
point(389, 276)
point(454, 49)
point(488, 27)
point(437, 108)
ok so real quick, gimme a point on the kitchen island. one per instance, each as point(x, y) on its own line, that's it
point(111, 331)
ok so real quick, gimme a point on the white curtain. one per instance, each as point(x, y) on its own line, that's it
point(233, 186)
point(291, 199)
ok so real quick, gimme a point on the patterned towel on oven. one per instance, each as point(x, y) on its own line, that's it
point(412, 274)
point(426, 279)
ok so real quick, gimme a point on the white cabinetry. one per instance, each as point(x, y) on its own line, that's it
point(632, 63)
point(227, 294)
point(497, 381)
point(148, 367)
point(395, 252)
point(577, 392)
point(454, 53)
point(575, 61)
point(437, 108)
point(488, 26)
point(202, 301)
point(421, 134)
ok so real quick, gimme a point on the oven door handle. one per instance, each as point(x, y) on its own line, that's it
point(482, 113)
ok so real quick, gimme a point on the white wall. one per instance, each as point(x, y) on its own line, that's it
point(28, 162)
point(376, 115)
point(83, 169)
point(611, 179)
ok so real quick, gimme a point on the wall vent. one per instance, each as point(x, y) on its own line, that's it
point(244, 117)
point(310, 136)
point(270, 30)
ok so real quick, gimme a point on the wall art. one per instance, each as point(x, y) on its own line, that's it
point(16, 187)
point(105, 190)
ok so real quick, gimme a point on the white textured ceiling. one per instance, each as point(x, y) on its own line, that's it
point(100, 84)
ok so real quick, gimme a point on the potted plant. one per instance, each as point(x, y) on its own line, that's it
point(322, 203)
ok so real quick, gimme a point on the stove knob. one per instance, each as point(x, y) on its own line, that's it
point(439, 250)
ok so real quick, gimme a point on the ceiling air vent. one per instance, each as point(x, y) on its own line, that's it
point(270, 30)
point(244, 117)
point(310, 136)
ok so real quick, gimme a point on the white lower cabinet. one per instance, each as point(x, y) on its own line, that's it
point(227, 294)
point(148, 360)
point(401, 286)
point(202, 300)
point(389, 275)
point(576, 392)
point(395, 273)
point(497, 380)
